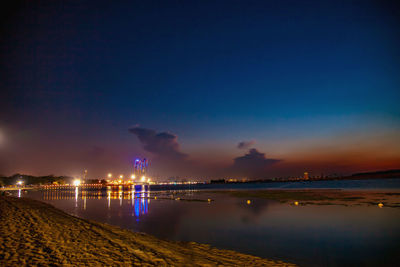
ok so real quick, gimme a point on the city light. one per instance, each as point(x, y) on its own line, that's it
point(20, 182)
point(77, 182)
point(121, 176)
point(133, 176)
point(109, 175)
point(143, 178)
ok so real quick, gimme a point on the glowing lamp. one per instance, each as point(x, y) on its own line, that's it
point(20, 183)
point(380, 205)
point(248, 202)
point(133, 176)
point(296, 203)
point(143, 178)
point(109, 175)
point(77, 182)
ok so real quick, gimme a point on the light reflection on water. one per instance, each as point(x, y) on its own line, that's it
point(307, 235)
point(139, 200)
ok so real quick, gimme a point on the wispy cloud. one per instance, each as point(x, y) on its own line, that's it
point(246, 144)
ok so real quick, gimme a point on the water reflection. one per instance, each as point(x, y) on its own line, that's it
point(141, 206)
point(109, 199)
point(308, 235)
point(138, 196)
point(76, 196)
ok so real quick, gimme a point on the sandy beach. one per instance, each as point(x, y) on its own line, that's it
point(34, 233)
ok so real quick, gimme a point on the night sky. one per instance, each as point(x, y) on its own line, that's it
point(202, 88)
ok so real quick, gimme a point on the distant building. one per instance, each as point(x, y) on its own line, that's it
point(85, 175)
point(305, 175)
point(140, 167)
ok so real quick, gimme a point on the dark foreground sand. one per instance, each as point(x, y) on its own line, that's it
point(34, 233)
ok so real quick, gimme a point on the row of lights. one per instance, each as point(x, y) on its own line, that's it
point(77, 182)
point(143, 178)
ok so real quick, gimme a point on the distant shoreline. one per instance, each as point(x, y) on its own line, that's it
point(250, 185)
point(388, 174)
point(29, 180)
point(33, 233)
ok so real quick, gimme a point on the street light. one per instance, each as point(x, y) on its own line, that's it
point(133, 176)
point(109, 175)
point(143, 178)
point(20, 182)
point(77, 182)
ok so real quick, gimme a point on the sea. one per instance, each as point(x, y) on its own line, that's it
point(309, 235)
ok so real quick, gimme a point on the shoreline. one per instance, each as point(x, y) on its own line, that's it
point(36, 233)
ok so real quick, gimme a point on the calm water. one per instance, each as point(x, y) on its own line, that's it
point(306, 235)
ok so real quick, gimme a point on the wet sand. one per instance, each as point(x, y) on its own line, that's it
point(378, 198)
point(34, 233)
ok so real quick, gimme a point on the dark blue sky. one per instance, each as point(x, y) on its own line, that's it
point(294, 76)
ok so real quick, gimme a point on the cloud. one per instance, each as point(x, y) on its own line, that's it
point(246, 144)
point(169, 159)
point(163, 144)
point(254, 164)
